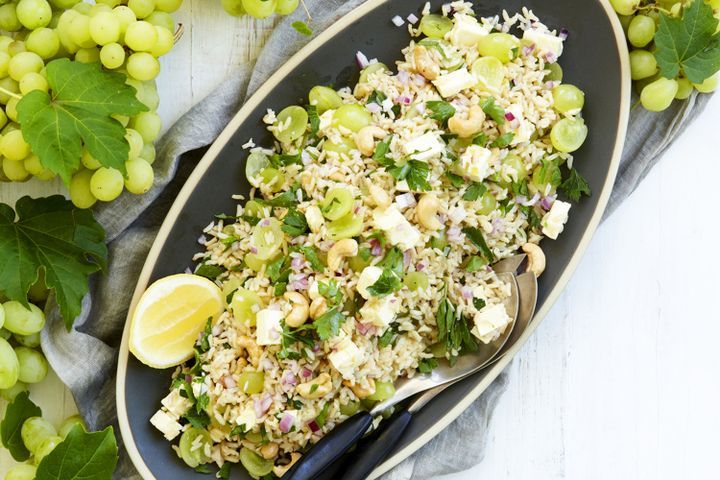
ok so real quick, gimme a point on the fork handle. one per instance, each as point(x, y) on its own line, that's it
point(330, 447)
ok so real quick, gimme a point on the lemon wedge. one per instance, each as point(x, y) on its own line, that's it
point(170, 316)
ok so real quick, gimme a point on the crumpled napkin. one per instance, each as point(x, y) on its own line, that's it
point(85, 359)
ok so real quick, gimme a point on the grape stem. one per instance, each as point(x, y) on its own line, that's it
point(179, 33)
point(307, 12)
point(12, 94)
point(657, 8)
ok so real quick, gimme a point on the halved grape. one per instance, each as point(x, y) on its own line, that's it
point(352, 116)
point(324, 99)
point(34, 431)
point(255, 163)
point(244, 305)
point(370, 69)
point(337, 203)
point(546, 178)
point(515, 167)
point(343, 148)
point(568, 98)
point(568, 134)
point(251, 382)
point(502, 46)
point(490, 73)
point(348, 226)
point(416, 281)
point(383, 391)
point(273, 178)
point(435, 26)
point(555, 73)
point(255, 465)
point(267, 238)
point(192, 450)
point(291, 124)
point(351, 408)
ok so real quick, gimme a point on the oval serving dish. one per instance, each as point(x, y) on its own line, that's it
point(595, 59)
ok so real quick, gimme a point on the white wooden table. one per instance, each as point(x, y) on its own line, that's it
point(620, 381)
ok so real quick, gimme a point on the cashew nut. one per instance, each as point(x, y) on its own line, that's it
point(253, 349)
point(378, 195)
point(426, 211)
point(424, 63)
point(536, 258)
point(365, 139)
point(360, 391)
point(314, 218)
point(280, 470)
point(346, 247)
point(269, 450)
point(318, 307)
point(315, 388)
point(467, 125)
point(300, 309)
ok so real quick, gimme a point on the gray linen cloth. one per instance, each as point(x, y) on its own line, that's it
point(86, 358)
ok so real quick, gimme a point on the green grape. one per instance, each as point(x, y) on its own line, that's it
point(498, 45)
point(259, 8)
point(5, 41)
point(343, 148)
point(165, 42)
point(9, 19)
point(106, 184)
point(435, 26)
point(99, 8)
point(193, 457)
point(416, 281)
point(324, 99)
point(358, 263)
point(349, 226)
point(11, 109)
point(46, 447)
point(625, 7)
point(658, 95)
point(337, 203)
point(33, 166)
point(685, 89)
point(555, 73)
point(642, 64)
point(383, 391)
point(44, 41)
point(4, 63)
point(34, 431)
point(168, 6)
point(14, 171)
point(64, 4)
point(2, 319)
point(251, 382)
point(34, 13)
point(88, 55)
point(9, 366)
point(83, 8)
point(708, 85)
point(33, 367)
point(142, 8)
point(490, 73)
point(149, 96)
point(140, 176)
point(545, 178)
point(233, 7)
point(143, 66)
point(352, 116)
point(64, 29)
point(273, 178)
point(69, 423)
point(17, 46)
point(135, 141)
point(4, 334)
point(255, 163)
point(13, 146)
point(148, 125)
point(148, 153)
point(267, 238)
point(123, 120)
point(286, 7)
point(104, 28)
point(9, 394)
point(162, 19)
point(254, 263)
point(21, 320)
point(3, 118)
point(641, 30)
point(80, 31)
point(351, 408)
point(256, 465)
point(89, 161)
point(370, 69)
point(291, 124)
point(568, 134)
point(125, 17)
point(112, 55)
point(517, 166)
point(80, 193)
point(568, 98)
point(23, 63)
point(10, 127)
point(141, 36)
point(30, 341)
point(21, 471)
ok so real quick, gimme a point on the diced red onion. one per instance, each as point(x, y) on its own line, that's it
point(466, 292)
point(546, 202)
point(316, 348)
point(265, 222)
point(363, 328)
point(498, 225)
point(298, 281)
point(253, 250)
point(403, 76)
point(306, 372)
point(229, 381)
point(454, 234)
point(420, 108)
point(313, 426)
point(412, 18)
point(405, 200)
point(398, 21)
point(361, 60)
point(202, 240)
point(375, 247)
point(188, 378)
point(373, 108)
point(528, 49)
point(289, 378)
point(509, 116)
point(404, 99)
point(262, 406)
point(531, 202)
point(287, 422)
point(564, 33)
point(550, 57)
point(297, 263)
point(419, 80)
point(407, 257)
point(420, 266)
point(306, 158)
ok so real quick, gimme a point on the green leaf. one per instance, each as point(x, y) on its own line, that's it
point(427, 365)
point(302, 28)
point(575, 186)
point(284, 159)
point(83, 99)
point(328, 324)
point(493, 110)
point(474, 264)
point(322, 416)
point(503, 140)
point(294, 223)
point(388, 337)
point(224, 471)
point(381, 150)
point(51, 235)
point(311, 256)
point(479, 303)
point(474, 191)
point(314, 119)
point(477, 238)
point(394, 261)
point(441, 111)
point(388, 283)
point(331, 291)
point(82, 455)
point(17, 412)
point(376, 97)
point(688, 45)
point(209, 271)
point(415, 172)
point(278, 270)
point(286, 199)
point(455, 180)
point(290, 338)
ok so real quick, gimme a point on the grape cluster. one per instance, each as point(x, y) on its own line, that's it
point(640, 19)
point(259, 8)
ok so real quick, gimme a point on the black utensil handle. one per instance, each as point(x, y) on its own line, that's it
point(330, 447)
point(374, 449)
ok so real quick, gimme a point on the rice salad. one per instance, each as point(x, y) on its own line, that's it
point(364, 252)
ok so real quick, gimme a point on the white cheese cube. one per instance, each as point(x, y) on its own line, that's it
point(544, 42)
point(346, 357)
point(424, 147)
point(314, 218)
point(247, 417)
point(176, 404)
point(405, 236)
point(520, 127)
point(455, 82)
point(466, 31)
point(388, 218)
point(396, 227)
point(269, 330)
point(475, 163)
point(326, 120)
point(368, 277)
point(553, 223)
point(490, 322)
point(380, 311)
point(169, 427)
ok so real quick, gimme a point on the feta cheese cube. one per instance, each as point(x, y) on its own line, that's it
point(466, 31)
point(247, 417)
point(368, 277)
point(455, 82)
point(269, 330)
point(475, 163)
point(314, 218)
point(169, 427)
point(397, 228)
point(490, 322)
point(380, 311)
point(424, 147)
point(346, 357)
point(544, 42)
point(553, 223)
point(176, 404)
point(522, 128)
point(326, 120)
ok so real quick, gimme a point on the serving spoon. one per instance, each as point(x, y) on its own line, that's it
point(333, 445)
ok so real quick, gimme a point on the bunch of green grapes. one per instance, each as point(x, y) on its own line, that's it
point(259, 8)
point(126, 36)
point(640, 20)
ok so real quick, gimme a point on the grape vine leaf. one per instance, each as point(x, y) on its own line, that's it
point(17, 412)
point(79, 111)
point(82, 455)
point(51, 235)
point(689, 44)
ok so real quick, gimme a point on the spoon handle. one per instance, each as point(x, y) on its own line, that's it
point(330, 447)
